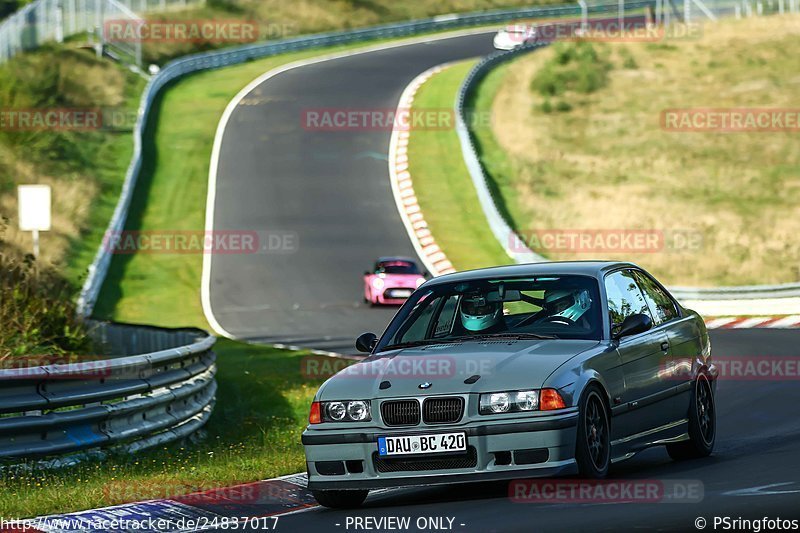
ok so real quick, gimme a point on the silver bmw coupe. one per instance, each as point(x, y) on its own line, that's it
point(515, 372)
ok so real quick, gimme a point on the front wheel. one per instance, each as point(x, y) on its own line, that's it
point(340, 499)
point(593, 447)
point(702, 424)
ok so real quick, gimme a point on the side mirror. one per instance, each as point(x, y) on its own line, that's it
point(366, 342)
point(426, 275)
point(633, 325)
point(367, 272)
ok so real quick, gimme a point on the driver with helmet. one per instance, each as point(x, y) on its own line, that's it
point(560, 306)
point(567, 306)
point(481, 316)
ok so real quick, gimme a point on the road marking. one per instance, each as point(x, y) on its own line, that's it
point(762, 490)
point(751, 322)
point(403, 189)
point(732, 322)
point(786, 322)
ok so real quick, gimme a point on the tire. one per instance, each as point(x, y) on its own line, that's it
point(340, 499)
point(702, 424)
point(593, 445)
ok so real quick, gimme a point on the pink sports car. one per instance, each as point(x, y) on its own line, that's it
point(392, 281)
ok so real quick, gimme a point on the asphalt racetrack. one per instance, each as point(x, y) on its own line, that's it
point(753, 473)
point(331, 190)
point(328, 189)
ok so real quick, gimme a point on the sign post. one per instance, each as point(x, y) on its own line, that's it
point(34, 211)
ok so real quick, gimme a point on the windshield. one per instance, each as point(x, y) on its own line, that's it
point(396, 267)
point(553, 307)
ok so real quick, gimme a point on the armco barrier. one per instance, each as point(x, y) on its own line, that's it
point(161, 389)
point(497, 223)
point(787, 290)
point(775, 299)
point(222, 58)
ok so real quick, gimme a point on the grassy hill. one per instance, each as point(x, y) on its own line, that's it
point(576, 148)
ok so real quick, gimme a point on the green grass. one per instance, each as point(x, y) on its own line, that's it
point(254, 433)
point(37, 314)
point(85, 169)
point(263, 400)
point(171, 195)
point(442, 183)
point(490, 154)
point(605, 162)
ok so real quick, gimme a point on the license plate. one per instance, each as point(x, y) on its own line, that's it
point(422, 444)
point(400, 293)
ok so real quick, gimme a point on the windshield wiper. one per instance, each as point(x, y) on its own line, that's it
point(483, 337)
point(424, 342)
point(510, 335)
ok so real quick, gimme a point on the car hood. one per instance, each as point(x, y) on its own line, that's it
point(501, 365)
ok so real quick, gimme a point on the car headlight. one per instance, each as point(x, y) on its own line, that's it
point(498, 402)
point(527, 400)
point(336, 411)
point(519, 401)
point(358, 411)
point(346, 411)
point(378, 283)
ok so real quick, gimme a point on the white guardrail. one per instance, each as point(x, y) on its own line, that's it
point(723, 301)
point(44, 21)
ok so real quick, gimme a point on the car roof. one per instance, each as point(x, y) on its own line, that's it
point(595, 269)
point(388, 259)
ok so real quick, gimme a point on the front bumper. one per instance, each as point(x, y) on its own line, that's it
point(384, 297)
point(546, 446)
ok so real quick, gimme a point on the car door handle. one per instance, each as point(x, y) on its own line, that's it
point(665, 346)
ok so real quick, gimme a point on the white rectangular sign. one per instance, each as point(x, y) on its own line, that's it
point(34, 207)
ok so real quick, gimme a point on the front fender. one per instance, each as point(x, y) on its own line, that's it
point(603, 367)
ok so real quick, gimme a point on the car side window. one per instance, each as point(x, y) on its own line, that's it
point(661, 305)
point(624, 298)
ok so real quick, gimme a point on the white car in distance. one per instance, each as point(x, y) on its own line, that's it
point(513, 36)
